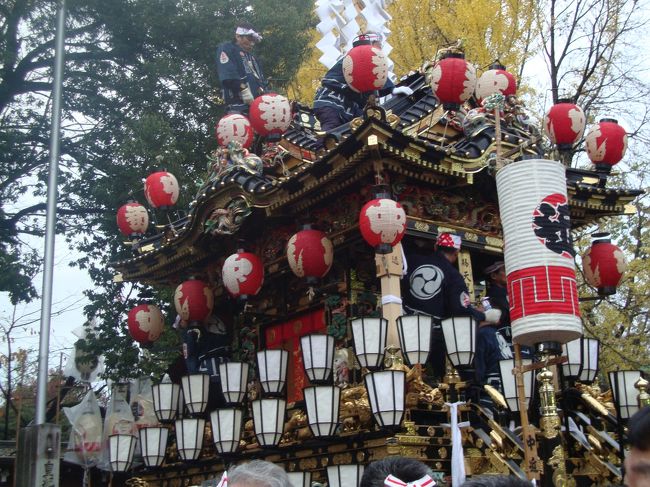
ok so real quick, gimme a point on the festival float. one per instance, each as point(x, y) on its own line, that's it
point(295, 240)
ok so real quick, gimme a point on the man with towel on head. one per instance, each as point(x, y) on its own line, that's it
point(240, 74)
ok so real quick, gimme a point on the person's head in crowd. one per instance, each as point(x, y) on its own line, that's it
point(246, 36)
point(496, 273)
point(258, 473)
point(497, 481)
point(402, 469)
point(637, 463)
point(369, 38)
point(449, 246)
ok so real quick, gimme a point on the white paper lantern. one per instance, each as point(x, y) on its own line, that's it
point(542, 286)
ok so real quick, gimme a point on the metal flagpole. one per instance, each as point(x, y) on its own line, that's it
point(50, 228)
point(38, 457)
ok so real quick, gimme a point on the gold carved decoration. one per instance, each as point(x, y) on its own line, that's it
point(342, 459)
point(560, 476)
point(308, 464)
point(550, 426)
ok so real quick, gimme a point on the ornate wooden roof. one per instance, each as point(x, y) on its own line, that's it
point(411, 138)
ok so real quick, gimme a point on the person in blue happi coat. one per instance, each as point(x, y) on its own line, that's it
point(240, 74)
point(335, 103)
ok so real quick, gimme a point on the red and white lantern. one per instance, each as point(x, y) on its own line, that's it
point(604, 264)
point(495, 80)
point(243, 274)
point(132, 219)
point(542, 286)
point(193, 300)
point(146, 323)
point(453, 80)
point(606, 143)
point(310, 254)
point(382, 223)
point(564, 124)
point(161, 189)
point(234, 127)
point(270, 114)
point(365, 69)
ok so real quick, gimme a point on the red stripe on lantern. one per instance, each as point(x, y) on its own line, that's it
point(543, 289)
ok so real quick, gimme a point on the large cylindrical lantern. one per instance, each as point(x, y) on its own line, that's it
point(604, 264)
point(365, 68)
point(193, 300)
point(132, 219)
point(270, 114)
point(606, 143)
point(453, 80)
point(310, 254)
point(382, 223)
point(564, 124)
point(542, 286)
point(495, 80)
point(161, 189)
point(234, 127)
point(243, 274)
point(146, 323)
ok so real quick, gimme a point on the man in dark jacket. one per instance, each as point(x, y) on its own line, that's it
point(434, 286)
point(335, 103)
point(494, 340)
point(241, 77)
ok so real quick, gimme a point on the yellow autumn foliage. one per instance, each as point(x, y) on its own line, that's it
point(487, 29)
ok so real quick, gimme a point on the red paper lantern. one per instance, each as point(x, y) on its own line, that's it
point(495, 80)
point(606, 143)
point(382, 223)
point(564, 124)
point(604, 265)
point(270, 114)
point(234, 127)
point(132, 219)
point(365, 68)
point(243, 274)
point(193, 300)
point(146, 323)
point(310, 254)
point(161, 189)
point(453, 80)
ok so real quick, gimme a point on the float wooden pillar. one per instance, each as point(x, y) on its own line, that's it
point(389, 270)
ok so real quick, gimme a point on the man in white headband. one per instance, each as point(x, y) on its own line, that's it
point(240, 74)
point(434, 286)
